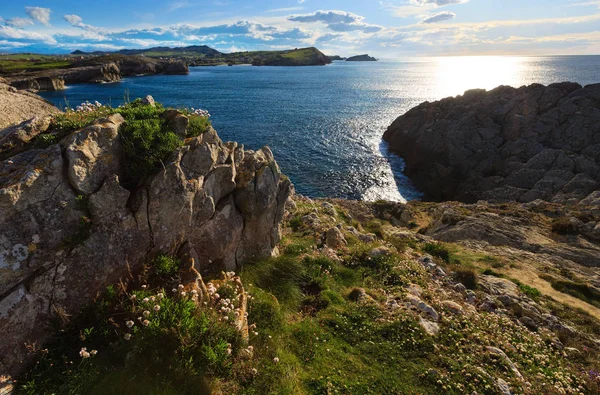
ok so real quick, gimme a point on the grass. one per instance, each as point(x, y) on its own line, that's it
point(576, 289)
point(319, 325)
point(437, 250)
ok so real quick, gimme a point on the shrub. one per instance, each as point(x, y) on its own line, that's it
point(198, 125)
point(165, 265)
point(437, 250)
point(147, 144)
point(564, 226)
point(490, 272)
point(296, 223)
point(532, 292)
point(467, 277)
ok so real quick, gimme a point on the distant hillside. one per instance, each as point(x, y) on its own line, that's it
point(297, 57)
point(194, 50)
point(202, 55)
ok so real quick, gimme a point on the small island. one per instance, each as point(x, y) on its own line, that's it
point(361, 58)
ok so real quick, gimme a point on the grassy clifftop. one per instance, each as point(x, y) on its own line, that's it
point(369, 308)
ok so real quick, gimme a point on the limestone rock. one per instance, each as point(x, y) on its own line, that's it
point(534, 142)
point(16, 107)
point(149, 101)
point(423, 307)
point(59, 250)
point(15, 137)
point(431, 328)
point(453, 307)
point(177, 121)
point(94, 153)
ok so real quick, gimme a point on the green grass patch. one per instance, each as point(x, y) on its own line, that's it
point(437, 250)
point(579, 290)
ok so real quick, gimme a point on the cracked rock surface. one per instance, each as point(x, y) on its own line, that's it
point(534, 142)
point(68, 228)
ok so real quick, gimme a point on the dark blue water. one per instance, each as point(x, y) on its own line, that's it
point(324, 124)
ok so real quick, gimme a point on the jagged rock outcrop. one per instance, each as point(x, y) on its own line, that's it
point(96, 70)
point(16, 107)
point(535, 142)
point(68, 228)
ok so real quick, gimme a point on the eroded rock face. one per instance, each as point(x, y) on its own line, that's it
point(68, 228)
point(16, 107)
point(535, 142)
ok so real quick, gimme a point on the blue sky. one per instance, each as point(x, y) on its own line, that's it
point(387, 28)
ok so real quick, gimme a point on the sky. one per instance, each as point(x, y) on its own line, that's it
point(387, 28)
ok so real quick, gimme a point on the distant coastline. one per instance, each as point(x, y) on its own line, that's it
point(47, 73)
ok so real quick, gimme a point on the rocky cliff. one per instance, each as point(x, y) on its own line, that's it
point(95, 70)
point(69, 227)
point(16, 107)
point(535, 142)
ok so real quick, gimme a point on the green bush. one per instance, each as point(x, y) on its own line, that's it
point(165, 265)
point(437, 250)
point(564, 226)
point(147, 144)
point(198, 125)
point(490, 272)
point(532, 292)
point(467, 277)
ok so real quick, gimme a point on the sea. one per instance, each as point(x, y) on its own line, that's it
point(324, 123)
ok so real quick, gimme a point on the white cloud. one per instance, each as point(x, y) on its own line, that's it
point(19, 34)
point(439, 17)
point(19, 22)
point(42, 15)
point(77, 21)
point(331, 16)
point(339, 21)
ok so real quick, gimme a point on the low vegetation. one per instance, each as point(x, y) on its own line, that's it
point(321, 323)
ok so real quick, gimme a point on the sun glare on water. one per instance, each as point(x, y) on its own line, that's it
point(455, 75)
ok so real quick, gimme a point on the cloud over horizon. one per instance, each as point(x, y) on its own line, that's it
point(422, 28)
point(439, 17)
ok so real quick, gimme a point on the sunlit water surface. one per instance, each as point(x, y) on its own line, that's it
point(324, 124)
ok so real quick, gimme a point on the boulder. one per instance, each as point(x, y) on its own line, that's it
point(68, 228)
point(334, 238)
point(423, 307)
point(16, 107)
point(94, 153)
point(431, 328)
point(507, 144)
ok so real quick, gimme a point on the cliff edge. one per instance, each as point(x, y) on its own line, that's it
point(16, 107)
point(534, 142)
point(86, 201)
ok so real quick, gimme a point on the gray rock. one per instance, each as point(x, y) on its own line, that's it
point(94, 154)
point(334, 238)
point(380, 251)
point(431, 328)
point(453, 307)
point(534, 142)
point(529, 323)
point(226, 202)
point(423, 307)
point(149, 101)
point(503, 387)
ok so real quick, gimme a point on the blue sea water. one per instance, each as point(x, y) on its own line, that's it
point(324, 124)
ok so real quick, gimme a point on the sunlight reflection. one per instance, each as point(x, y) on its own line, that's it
point(455, 75)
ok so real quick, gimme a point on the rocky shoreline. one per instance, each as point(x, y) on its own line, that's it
point(494, 293)
point(100, 70)
point(508, 144)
